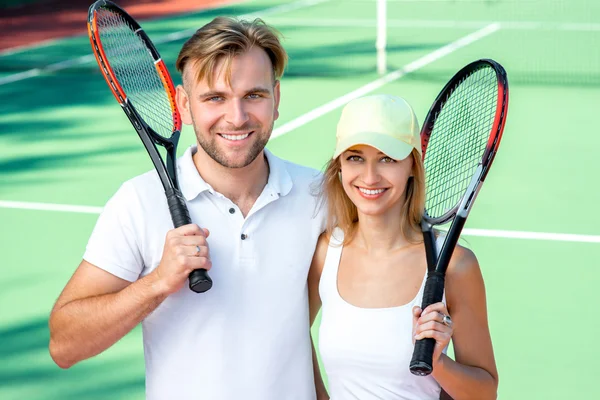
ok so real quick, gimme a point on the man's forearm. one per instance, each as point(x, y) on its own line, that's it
point(84, 328)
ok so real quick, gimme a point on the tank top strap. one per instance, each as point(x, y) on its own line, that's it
point(328, 282)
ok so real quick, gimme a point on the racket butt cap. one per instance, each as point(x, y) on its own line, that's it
point(420, 368)
point(200, 281)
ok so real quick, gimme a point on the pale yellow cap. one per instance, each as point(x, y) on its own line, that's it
point(385, 122)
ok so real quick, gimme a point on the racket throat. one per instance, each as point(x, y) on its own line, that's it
point(171, 160)
point(430, 247)
point(471, 193)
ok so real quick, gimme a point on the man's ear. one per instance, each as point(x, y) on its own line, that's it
point(183, 105)
point(276, 96)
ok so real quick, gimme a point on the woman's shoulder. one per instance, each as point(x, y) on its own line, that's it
point(463, 260)
point(463, 277)
point(326, 239)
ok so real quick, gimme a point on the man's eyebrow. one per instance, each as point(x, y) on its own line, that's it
point(259, 89)
point(212, 93)
point(218, 93)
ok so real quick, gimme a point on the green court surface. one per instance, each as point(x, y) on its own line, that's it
point(64, 141)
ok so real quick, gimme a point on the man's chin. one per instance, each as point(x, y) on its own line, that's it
point(235, 161)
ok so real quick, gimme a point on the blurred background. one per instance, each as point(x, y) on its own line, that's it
point(65, 148)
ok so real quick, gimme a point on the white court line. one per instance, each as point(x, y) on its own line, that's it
point(25, 47)
point(392, 76)
point(50, 207)
point(559, 237)
point(442, 24)
point(168, 38)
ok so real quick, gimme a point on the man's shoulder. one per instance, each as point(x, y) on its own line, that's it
point(145, 186)
point(145, 182)
point(301, 172)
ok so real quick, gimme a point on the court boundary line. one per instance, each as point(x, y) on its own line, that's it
point(441, 24)
point(496, 233)
point(296, 5)
point(390, 77)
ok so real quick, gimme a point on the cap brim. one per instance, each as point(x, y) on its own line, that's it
point(392, 147)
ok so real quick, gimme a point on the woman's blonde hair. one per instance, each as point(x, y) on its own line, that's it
point(228, 37)
point(342, 213)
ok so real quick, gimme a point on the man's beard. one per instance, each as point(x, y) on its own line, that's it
point(209, 145)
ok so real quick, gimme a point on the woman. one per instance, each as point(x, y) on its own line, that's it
point(369, 269)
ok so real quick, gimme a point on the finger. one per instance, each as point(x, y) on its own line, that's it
point(439, 307)
point(189, 229)
point(432, 316)
point(199, 263)
point(192, 241)
point(188, 263)
point(416, 311)
point(432, 326)
point(439, 337)
point(196, 251)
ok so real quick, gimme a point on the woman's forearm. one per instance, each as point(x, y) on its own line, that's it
point(463, 382)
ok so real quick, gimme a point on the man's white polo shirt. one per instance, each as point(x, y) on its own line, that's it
point(248, 337)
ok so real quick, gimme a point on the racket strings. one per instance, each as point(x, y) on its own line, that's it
point(458, 141)
point(134, 68)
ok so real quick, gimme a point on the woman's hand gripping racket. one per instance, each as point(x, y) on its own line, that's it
point(459, 139)
point(141, 83)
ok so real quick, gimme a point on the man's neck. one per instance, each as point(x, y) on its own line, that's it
point(242, 186)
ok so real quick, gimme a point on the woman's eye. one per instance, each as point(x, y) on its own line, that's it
point(354, 158)
point(388, 160)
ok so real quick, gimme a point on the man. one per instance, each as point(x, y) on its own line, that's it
point(256, 225)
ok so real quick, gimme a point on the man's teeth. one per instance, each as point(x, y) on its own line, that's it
point(371, 191)
point(235, 137)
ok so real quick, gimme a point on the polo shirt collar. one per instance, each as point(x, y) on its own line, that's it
point(192, 184)
point(279, 181)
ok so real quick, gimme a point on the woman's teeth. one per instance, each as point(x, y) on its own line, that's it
point(371, 191)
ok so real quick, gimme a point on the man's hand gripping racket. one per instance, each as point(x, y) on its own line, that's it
point(459, 139)
point(140, 81)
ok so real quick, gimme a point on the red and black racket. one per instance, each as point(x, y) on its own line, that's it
point(459, 139)
point(140, 81)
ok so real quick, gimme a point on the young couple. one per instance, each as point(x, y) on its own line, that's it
point(256, 226)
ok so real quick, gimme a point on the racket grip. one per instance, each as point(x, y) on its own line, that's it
point(422, 360)
point(200, 282)
point(179, 212)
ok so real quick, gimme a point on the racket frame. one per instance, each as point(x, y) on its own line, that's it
point(421, 363)
point(167, 172)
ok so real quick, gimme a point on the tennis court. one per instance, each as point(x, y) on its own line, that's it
point(65, 148)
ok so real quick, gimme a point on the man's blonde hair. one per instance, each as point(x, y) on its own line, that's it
point(342, 213)
point(228, 37)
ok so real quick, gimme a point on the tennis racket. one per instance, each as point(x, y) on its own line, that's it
point(459, 140)
point(140, 81)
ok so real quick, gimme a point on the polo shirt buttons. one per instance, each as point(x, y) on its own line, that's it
point(244, 236)
point(231, 210)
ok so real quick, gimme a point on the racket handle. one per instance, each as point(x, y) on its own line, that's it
point(422, 359)
point(200, 282)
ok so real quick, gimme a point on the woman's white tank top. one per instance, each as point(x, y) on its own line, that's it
point(366, 351)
